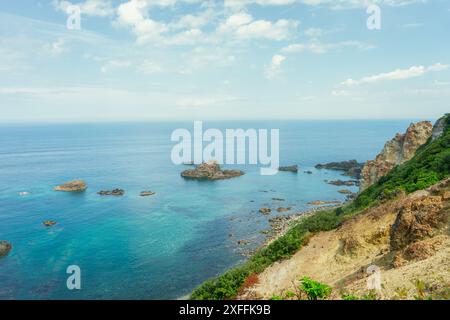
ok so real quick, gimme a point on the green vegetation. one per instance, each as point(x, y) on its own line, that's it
point(314, 290)
point(430, 165)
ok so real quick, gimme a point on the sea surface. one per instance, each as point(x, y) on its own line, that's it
point(158, 247)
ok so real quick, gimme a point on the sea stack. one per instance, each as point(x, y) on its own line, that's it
point(72, 186)
point(210, 171)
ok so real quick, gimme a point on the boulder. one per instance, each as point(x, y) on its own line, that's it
point(5, 248)
point(281, 209)
point(72, 186)
point(265, 211)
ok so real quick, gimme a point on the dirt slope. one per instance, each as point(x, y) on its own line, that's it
point(407, 238)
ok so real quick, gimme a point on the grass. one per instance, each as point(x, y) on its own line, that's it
point(430, 165)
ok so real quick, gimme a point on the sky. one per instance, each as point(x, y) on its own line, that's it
point(163, 60)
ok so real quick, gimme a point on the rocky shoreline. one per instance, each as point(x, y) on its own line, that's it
point(279, 226)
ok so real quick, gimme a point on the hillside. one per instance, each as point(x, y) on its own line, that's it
point(429, 166)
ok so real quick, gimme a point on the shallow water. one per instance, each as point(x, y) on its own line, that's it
point(158, 247)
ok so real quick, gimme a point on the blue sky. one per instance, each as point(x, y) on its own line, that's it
point(144, 60)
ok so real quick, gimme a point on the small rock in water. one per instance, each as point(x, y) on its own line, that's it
point(265, 211)
point(284, 209)
point(293, 169)
point(115, 192)
point(345, 191)
point(308, 172)
point(278, 199)
point(72, 186)
point(5, 248)
point(347, 183)
point(147, 193)
point(243, 242)
point(49, 223)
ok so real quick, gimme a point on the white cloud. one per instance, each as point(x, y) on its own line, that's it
point(99, 8)
point(134, 14)
point(115, 64)
point(275, 67)
point(243, 26)
point(399, 74)
point(56, 48)
point(333, 4)
point(321, 48)
point(150, 67)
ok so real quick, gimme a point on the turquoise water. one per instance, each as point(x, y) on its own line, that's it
point(158, 247)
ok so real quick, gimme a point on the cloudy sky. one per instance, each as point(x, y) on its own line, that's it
point(144, 60)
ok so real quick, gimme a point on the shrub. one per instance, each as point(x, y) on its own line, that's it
point(314, 290)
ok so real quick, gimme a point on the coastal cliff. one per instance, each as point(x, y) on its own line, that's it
point(398, 226)
point(397, 151)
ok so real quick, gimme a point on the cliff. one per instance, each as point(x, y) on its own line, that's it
point(406, 239)
point(398, 226)
point(397, 151)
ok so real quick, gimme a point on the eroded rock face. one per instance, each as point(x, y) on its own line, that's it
point(210, 171)
point(72, 186)
point(397, 151)
point(438, 128)
point(5, 247)
point(418, 219)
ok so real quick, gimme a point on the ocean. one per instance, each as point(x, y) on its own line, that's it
point(158, 247)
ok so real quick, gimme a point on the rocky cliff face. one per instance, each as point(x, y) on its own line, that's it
point(397, 151)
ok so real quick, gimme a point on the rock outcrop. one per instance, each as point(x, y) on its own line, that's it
point(210, 171)
point(72, 186)
point(265, 211)
point(293, 169)
point(49, 223)
point(439, 127)
point(5, 248)
point(397, 151)
point(147, 193)
point(115, 192)
point(421, 215)
point(351, 168)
